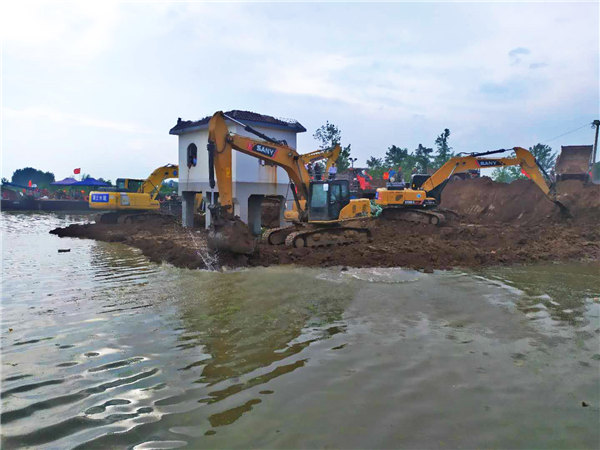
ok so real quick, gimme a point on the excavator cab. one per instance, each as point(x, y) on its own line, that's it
point(128, 184)
point(327, 198)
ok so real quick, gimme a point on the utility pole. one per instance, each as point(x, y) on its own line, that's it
point(595, 123)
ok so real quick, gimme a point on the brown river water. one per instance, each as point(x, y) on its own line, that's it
point(101, 348)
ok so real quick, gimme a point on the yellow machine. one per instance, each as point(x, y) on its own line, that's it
point(132, 194)
point(424, 193)
point(322, 210)
point(330, 154)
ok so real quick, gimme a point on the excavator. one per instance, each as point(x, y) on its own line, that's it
point(420, 201)
point(132, 195)
point(322, 213)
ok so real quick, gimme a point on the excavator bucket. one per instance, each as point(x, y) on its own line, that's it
point(227, 232)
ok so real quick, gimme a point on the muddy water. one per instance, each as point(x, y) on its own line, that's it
point(102, 348)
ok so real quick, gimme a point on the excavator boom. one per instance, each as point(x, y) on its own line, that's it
point(151, 185)
point(460, 164)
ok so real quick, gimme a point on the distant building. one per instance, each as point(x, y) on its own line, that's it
point(252, 179)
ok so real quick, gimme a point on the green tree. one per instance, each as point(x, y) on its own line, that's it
point(343, 161)
point(444, 151)
point(329, 135)
point(423, 158)
point(22, 177)
point(544, 156)
point(395, 156)
point(376, 167)
point(504, 174)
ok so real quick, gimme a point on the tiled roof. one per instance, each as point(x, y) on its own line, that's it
point(247, 117)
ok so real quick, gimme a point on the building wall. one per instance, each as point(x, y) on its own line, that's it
point(245, 168)
point(250, 176)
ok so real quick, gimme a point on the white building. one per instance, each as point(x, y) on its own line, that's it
point(252, 178)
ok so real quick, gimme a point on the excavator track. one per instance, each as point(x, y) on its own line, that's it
point(414, 215)
point(277, 236)
point(326, 236)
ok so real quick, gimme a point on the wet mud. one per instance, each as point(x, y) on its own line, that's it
point(496, 224)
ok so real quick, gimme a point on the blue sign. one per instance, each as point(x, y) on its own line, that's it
point(99, 198)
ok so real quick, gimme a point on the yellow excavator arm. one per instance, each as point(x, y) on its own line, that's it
point(220, 145)
point(151, 185)
point(459, 164)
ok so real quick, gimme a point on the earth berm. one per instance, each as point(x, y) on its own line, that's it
point(497, 224)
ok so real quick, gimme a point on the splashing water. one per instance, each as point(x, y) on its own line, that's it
point(209, 259)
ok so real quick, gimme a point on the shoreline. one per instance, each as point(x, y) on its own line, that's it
point(420, 247)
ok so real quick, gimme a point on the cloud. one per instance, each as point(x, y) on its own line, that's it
point(71, 32)
point(537, 65)
point(74, 120)
point(516, 53)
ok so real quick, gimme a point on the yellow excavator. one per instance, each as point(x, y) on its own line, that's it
point(132, 195)
point(419, 201)
point(322, 214)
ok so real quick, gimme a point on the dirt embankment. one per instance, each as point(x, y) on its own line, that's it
point(498, 224)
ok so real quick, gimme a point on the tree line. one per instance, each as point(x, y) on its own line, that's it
point(423, 159)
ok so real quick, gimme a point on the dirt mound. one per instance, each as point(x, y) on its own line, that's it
point(481, 200)
point(582, 199)
point(230, 234)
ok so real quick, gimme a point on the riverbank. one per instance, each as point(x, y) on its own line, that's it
point(511, 224)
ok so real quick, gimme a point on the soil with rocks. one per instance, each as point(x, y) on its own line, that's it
point(496, 223)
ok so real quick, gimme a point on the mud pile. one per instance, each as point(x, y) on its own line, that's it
point(270, 210)
point(481, 200)
point(521, 202)
point(582, 199)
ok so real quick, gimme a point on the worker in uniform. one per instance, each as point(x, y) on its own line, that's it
point(332, 171)
point(318, 173)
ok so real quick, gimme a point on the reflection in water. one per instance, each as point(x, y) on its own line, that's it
point(101, 348)
point(558, 291)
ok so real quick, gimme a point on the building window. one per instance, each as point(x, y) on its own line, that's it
point(192, 155)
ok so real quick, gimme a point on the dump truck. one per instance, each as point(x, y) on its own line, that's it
point(573, 163)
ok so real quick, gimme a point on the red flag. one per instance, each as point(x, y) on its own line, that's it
point(386, 175)
point(29, 184)
point(76, 171)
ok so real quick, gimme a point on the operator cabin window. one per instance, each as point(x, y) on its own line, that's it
point(192, 155)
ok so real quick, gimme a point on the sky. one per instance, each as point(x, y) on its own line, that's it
point(97, 85)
